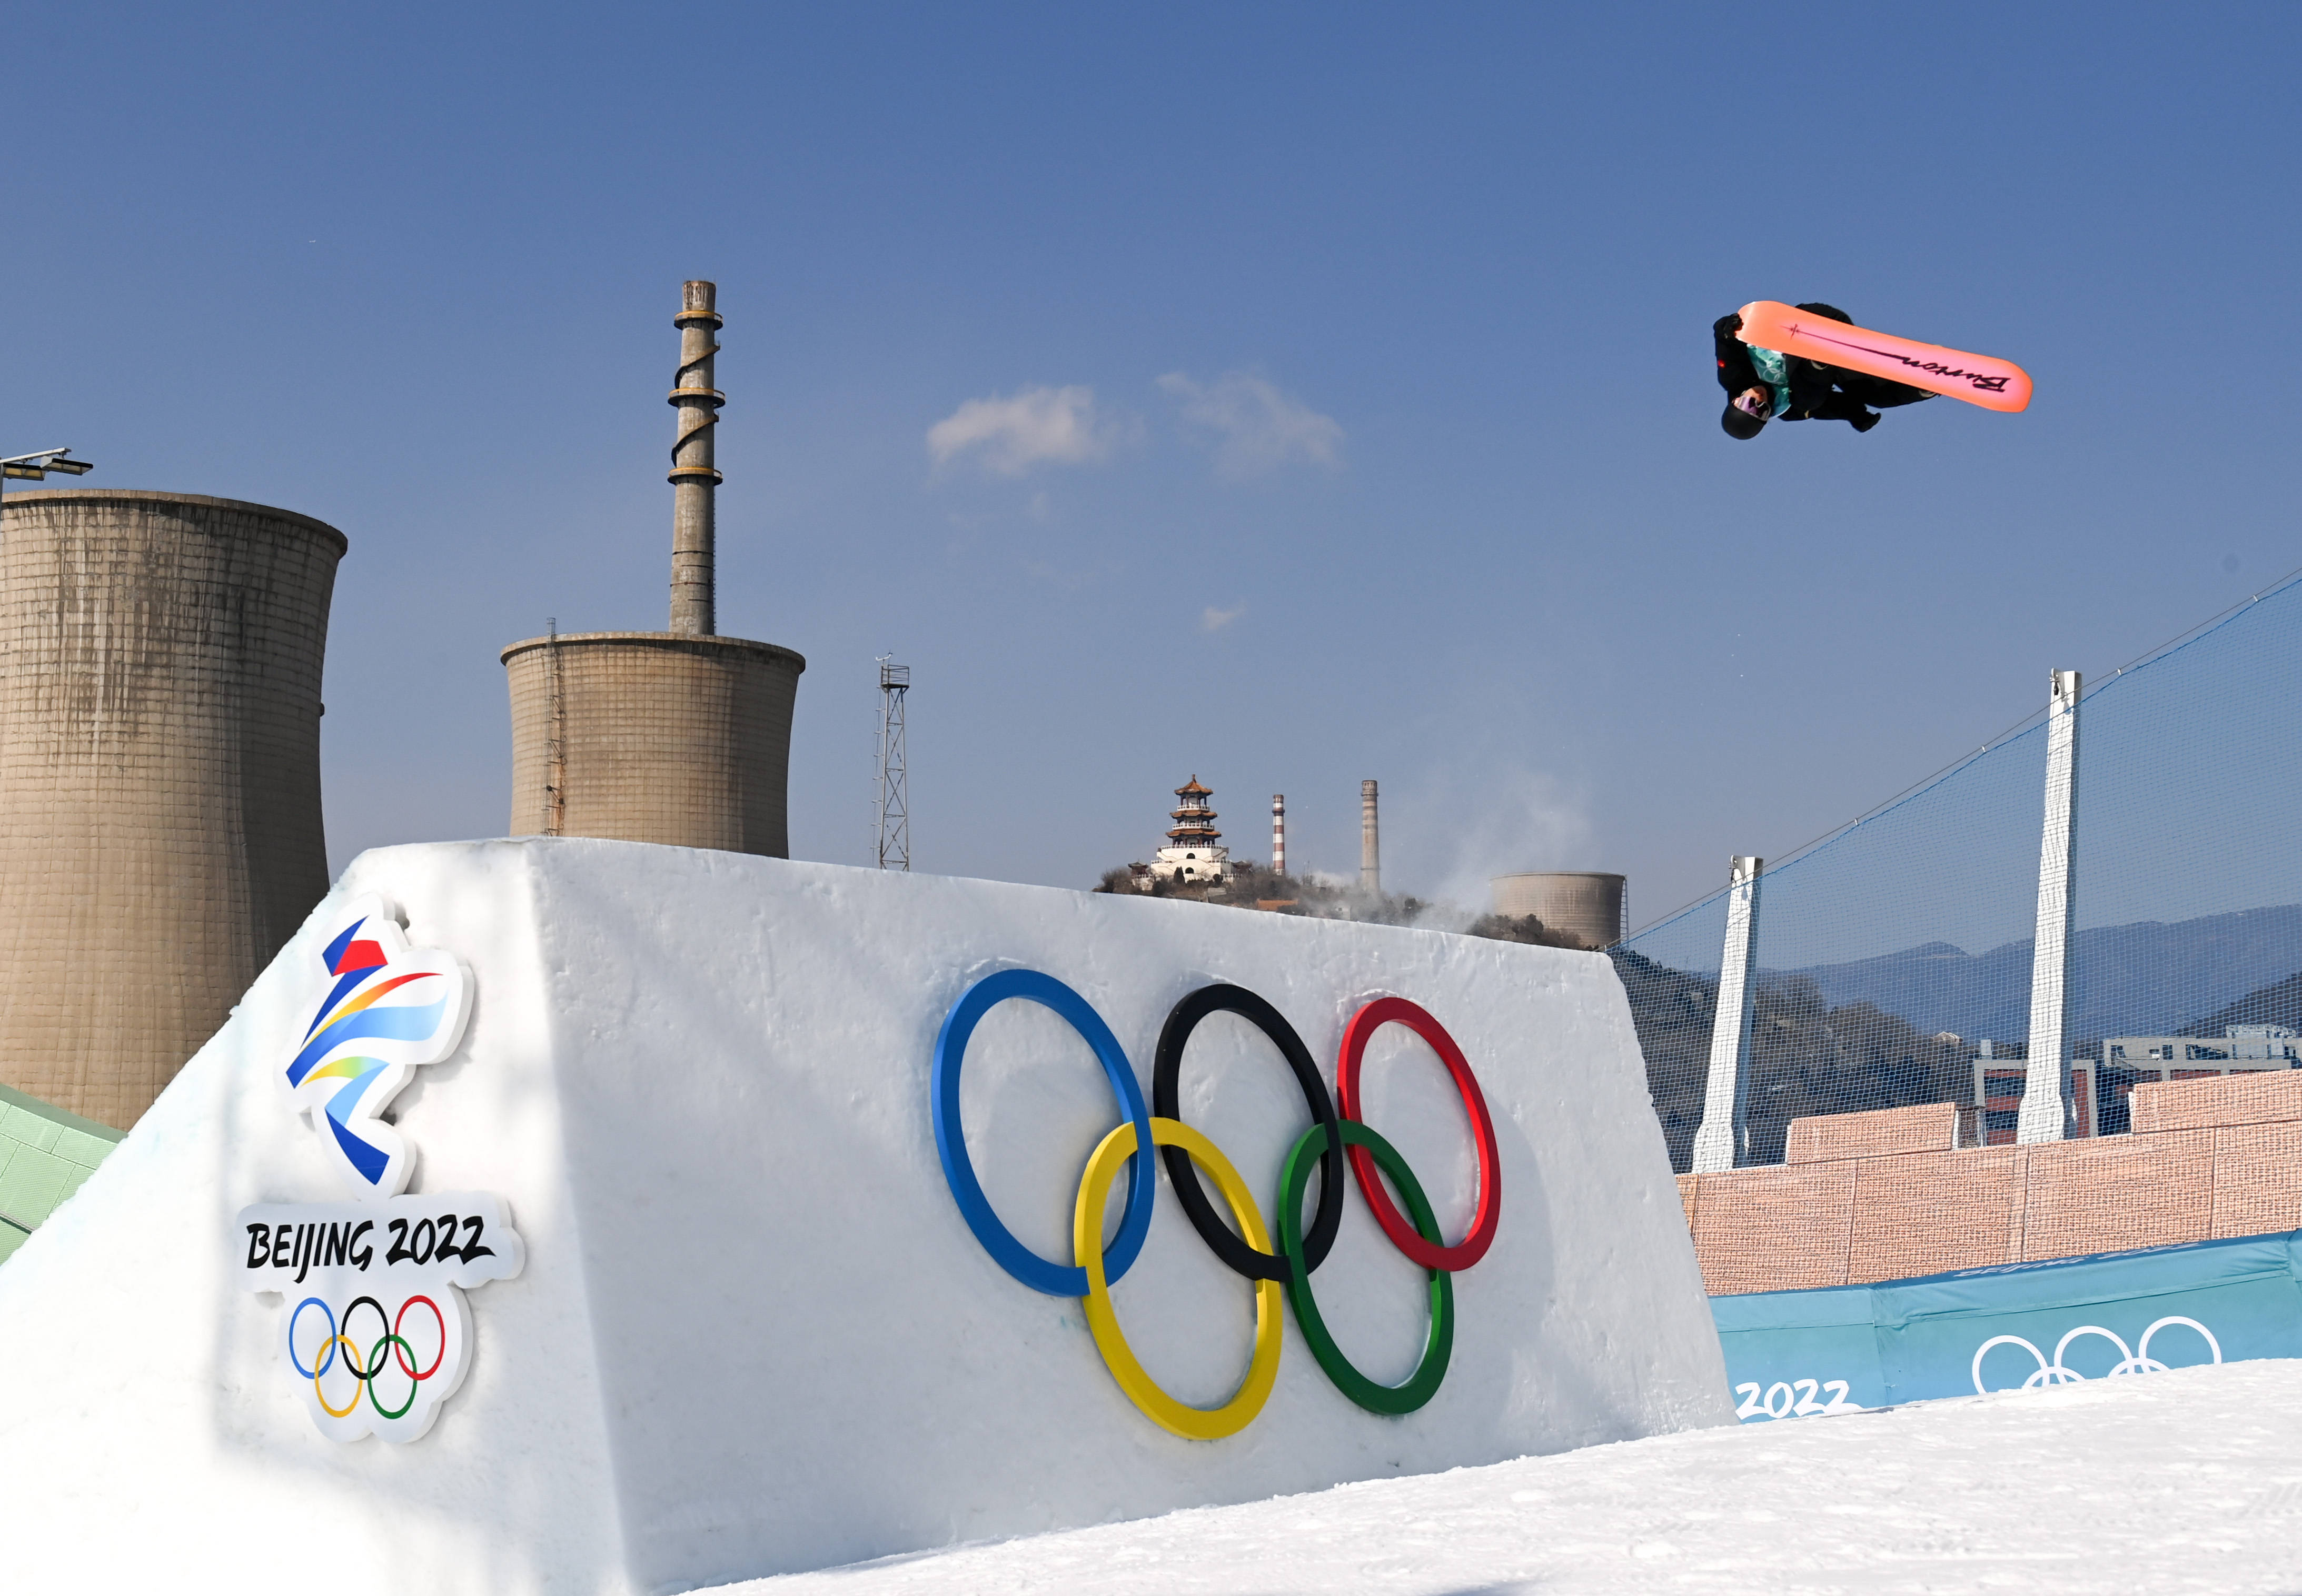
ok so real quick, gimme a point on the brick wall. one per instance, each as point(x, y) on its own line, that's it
point(1923, 1128)
point(2207, 1159)
point(2251, 1098)
point(1788, 1224)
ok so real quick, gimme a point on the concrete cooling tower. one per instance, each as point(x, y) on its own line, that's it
point(652, 737)
point(681, 737)
point(1589, 904)
point(160, 832)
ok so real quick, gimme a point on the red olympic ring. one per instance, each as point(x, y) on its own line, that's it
point(1472, 1246)
point(402, 1357)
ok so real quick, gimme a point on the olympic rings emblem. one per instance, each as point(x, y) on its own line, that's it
point(402, 1353)
point(2135, 1361)
point(1334, 1140)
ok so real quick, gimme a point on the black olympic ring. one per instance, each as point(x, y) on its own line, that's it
point(381, 1350)
point(1166, 1102)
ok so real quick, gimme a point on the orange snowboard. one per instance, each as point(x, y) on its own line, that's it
point(1978, 379)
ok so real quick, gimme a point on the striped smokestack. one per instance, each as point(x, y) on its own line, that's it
point(1277, 833)
point(695, 482)
point(1370, 840)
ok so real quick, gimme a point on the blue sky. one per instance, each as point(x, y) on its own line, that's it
point(1340, 387)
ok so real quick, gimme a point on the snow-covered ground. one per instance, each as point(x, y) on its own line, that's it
point(2189, 1480)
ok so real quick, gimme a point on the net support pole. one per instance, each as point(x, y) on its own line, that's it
point(1723, 1140)
point(2044, 1111)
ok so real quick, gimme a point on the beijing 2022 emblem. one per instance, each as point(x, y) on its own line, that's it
point(378, 1335)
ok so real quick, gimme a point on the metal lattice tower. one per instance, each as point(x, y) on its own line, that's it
point(891, 805)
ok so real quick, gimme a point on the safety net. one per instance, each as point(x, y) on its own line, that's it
point(1891, 961)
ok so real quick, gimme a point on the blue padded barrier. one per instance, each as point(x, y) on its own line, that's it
point(1803, 1354)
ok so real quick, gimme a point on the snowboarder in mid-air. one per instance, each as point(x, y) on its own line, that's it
point(1765, 385)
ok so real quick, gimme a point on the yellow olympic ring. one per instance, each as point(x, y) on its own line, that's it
point(1192, 1423)
point(351, 1355)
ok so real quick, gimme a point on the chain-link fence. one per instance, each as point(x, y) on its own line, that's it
point(1891, 962)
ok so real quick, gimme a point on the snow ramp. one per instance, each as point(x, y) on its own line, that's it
point(705, 1299)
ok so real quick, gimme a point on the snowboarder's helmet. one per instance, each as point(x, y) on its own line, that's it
point(1741, 424)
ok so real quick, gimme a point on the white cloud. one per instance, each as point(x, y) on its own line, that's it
point(1212, 620)
point(1038, 427)
point(1260, 429)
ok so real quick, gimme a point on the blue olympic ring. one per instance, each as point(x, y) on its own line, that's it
point(1041, 1274)
point(327, 1363)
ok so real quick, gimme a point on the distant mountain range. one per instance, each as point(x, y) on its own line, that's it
point(2148, 979)
point(2278, 1005)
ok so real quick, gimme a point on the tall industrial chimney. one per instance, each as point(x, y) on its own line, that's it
point(1277, 833)
point(1370, 840)
point(694, 484)
point(681, 737)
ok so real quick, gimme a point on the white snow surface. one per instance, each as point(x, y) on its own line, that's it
point(2189, 1481)
point(753, 1334)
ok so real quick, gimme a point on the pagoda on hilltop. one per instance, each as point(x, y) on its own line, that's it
point(1195, 855)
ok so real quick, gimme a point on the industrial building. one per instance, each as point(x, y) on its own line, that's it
point(160, 828)
point(2098, 1091)
point(1592, 907)
point(681, 737)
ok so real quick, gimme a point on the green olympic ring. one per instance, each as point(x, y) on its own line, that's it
point(1437, 1348)
point(407, 1360)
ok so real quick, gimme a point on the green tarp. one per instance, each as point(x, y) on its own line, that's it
point(44, 1154)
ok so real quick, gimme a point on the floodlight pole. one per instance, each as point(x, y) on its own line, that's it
point(35, 467)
